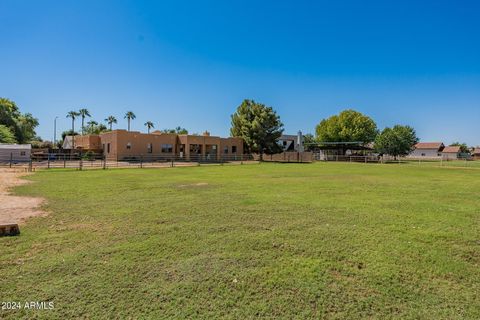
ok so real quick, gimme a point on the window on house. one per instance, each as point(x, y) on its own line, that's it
point(225, 150)
point(22, 153)
point(108, 147)
point(195, 149)
point(423, 154)
point(234, 149)
point(149, 148)
point(129, 146)
point(167, 148)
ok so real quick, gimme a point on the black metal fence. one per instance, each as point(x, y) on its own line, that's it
point(98, 161)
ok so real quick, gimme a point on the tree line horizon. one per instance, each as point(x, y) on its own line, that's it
point(258, 124)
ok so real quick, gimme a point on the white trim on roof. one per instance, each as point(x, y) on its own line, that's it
point(15, 146)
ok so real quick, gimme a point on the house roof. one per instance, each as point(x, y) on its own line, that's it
point(15, 146)
point(451, 149)
point(67, 142)
point(476, 150)
point(429, 145)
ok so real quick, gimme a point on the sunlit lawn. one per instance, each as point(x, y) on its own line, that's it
point(332, 240)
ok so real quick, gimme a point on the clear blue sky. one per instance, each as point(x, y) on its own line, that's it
point(192, 63)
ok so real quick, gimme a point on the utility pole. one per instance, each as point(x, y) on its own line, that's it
point(55, 133)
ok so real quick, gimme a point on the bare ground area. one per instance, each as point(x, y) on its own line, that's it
point(14, 209)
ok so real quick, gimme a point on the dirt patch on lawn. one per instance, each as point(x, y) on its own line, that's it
point(14, 209)
point(200, 184)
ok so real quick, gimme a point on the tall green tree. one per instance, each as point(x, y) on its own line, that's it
point(6, 135)
point(149, 125)
point(21, 125)
point(396, 141)
point(348, 126)
point(27, 124)
point(73, 115)
point(111, 120)
point(129, 116)
point(259, 126)
point(84, 113)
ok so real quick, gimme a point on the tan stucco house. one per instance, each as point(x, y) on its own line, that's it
point(122, 144)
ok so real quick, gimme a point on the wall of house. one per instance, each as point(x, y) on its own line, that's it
point(425, 153)
point(138, 145)
point(88, 142)
point(231, 146)
point(15, 154)
point(210, 145)
point(125, 144)
point(450, 155)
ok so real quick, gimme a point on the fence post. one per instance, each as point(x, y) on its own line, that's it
point(104, 162)
point(11, 159)
point(171, 164)
point(141, 161)
point(48, 161)
point(64, 161)
point(80, 163)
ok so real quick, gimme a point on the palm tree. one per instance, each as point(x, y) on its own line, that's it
point(111, 120)
point(129, 116)
point(92, 123)
point(91, 127)
point(73, 115)
point(149, 125)
point(84, 113)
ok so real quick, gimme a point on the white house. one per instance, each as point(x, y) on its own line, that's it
point(290, 142)
point(67, 142)
point(451, 153)
point(427, 150)
point(15, 152)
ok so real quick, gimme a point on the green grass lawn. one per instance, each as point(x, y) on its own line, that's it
point(323, 240)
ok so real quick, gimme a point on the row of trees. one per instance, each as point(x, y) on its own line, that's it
point(260, 127)
point(16, 127)
point(93, 127)
point(353, 126)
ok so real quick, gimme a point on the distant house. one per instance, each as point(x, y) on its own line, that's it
point(15, 152)
point(290, 142)
point(451, 152)
point(428, 150)
point(476, 153)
